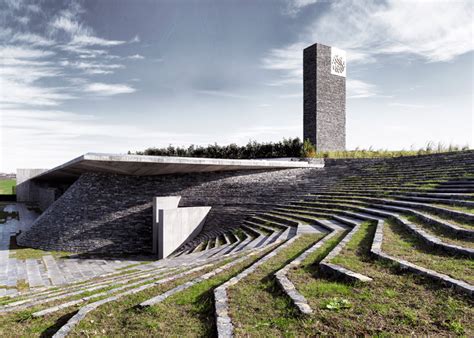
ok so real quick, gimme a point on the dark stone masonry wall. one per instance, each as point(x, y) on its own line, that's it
point(113, 213)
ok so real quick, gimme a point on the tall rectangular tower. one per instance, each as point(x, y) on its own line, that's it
point(324, 99)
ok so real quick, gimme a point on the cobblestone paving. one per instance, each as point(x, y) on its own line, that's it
point(48, 270)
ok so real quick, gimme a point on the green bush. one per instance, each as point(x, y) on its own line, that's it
point(291, 147)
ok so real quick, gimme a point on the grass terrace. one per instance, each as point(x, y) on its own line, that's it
point(400, 243)
point(392, 304)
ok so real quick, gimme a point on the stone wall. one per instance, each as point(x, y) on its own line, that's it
point(113, 213)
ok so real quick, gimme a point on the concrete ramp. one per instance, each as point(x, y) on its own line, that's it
point(173, 226)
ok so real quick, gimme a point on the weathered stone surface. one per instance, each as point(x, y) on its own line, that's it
point(324, 118)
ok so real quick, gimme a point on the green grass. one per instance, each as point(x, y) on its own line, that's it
point(22, 324)
point(456, 208)
point(257, 305)
point(30, 253)
point(7, 186)
point(186, 314)
point(443, 234)
point(392, 304)
point(400, 243)
point(431, 148)
point(348, 257)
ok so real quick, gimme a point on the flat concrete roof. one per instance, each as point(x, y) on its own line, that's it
point(140, 165)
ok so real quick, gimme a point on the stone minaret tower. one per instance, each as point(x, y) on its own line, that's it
point(324, 86)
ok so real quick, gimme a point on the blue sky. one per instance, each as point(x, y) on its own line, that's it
point(113, 76)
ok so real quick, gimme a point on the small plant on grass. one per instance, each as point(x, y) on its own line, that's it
point(336, 304)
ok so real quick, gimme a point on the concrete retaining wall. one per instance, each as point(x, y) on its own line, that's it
point(178, 226)
point(27, 190)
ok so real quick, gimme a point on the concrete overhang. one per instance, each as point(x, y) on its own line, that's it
point(140, 165)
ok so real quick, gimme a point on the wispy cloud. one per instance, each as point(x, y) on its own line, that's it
point(107, 89)
point(357, 89)
point(92, 67)
point(47, 59)
point(438, 31)
point(222, 93)
point(294, 6)
point(136, 57)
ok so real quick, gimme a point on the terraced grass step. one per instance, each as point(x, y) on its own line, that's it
point(285, 283)
point(334, 264)
point(189, 312)
point(411, 197)
point(399, 242)
point(227, 295)
point(463, 217)
point(431, 239)
point(387, 305)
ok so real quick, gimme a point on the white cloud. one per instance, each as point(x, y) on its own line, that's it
point(434, 31)
point(23, 20)
point(222, 93)
point(107, 89)
point(136, 57)
point(135, 39)
point(22, 93)
point(90, 40)
point(66, 22)
point(20, 52)
point(92, 67)
point(32, 39)
point(357, 89)
point(58, 136)
point(294, 6)
point(80, 35)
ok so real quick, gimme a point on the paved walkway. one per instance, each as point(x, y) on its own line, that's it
point(47, 270)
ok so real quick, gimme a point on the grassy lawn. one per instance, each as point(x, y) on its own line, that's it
point(443, 234)
point(399, 243)
point(258, 307)
point(20, 252)
point(26, 253)
point(351, 256)
point(187, 313)
point(393, 304)
point(6, 186)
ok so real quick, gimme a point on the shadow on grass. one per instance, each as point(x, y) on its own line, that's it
point(50, 331)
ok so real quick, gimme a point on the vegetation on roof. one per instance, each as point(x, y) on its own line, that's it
point(291, 147)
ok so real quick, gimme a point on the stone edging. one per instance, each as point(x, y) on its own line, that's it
point(223, 321)
point(435, 241)
point(338, 270)
point(376, 250)
point(288, 287)
point(431, 220)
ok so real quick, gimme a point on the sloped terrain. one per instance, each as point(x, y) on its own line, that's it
point(363, 247)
